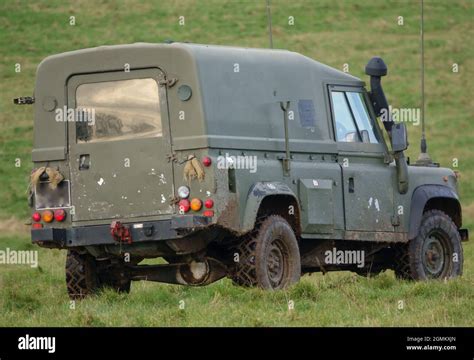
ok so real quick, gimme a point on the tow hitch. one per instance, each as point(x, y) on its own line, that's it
point(120, 232)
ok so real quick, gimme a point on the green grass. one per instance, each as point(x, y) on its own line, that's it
point(37, 297)
point(333, 32)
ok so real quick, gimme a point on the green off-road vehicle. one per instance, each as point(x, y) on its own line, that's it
point(253, 164)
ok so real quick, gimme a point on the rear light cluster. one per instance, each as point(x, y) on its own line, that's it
point(48, 216)
point(194, 204)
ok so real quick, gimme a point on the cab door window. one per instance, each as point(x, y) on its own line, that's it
point(346, 130)
point(352, 120)
point(364, 122)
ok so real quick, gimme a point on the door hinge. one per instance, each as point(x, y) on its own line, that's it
point(172, 157)
point(169, 83)
point(396, 220)
point(174, 200)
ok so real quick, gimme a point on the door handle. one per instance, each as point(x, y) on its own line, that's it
point(84, 162)
point(351, 184)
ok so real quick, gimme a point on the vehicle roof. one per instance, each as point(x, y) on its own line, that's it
point(230, 108)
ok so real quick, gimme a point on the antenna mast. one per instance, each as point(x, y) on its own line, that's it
point(269, 18)
point(423, 158)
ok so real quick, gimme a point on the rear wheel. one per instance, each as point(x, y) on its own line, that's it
point(269, 258)
point(436, 253)
point(86, 276)
point(81, 275)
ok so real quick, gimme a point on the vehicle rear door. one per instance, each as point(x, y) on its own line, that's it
point(118, 145)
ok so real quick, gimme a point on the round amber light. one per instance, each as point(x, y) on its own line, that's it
point(196, 204)
point(48, 216)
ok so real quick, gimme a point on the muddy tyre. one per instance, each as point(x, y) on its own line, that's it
point(84, 276)
point(269, 258)
point(436, 253)
point(81, 275)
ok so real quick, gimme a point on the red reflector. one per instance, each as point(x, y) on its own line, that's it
point(59, 215)
point(36, 216)
point(206, 161)
point(37, 226)
point(184, 205)
point(209, 203)
point(209, 213)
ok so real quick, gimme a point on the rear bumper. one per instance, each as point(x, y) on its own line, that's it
point(177, 227)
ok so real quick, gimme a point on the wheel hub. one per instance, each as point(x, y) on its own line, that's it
point(275, 264)
point(433, 256)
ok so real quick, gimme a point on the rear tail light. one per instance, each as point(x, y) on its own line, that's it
point(209, 203)
point(184, 205)
point(209, 213)
point(59, 215)
point(37, 225)
point(206, 161)
point(48, 216)
point(36, 216)
point(196, 204)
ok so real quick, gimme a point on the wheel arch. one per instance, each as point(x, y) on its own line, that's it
point(428, 197)
point(276, 196)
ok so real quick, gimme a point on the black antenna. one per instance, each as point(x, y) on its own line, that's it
point(269, 18)
point(423, 158)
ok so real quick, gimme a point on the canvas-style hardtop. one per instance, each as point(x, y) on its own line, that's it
point(235, 92)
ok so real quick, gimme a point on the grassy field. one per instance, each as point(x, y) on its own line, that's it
point(334, 32)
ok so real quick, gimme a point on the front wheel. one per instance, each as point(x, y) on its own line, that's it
point(436, 253)
point(269, 258)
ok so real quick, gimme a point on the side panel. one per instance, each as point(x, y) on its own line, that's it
point(317, 205)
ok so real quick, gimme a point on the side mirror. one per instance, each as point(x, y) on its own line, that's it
point(399, 137)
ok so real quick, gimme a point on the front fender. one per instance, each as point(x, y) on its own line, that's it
point(257, 193)
point(420, 198)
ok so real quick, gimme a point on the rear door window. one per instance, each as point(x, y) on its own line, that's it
point(118, 110)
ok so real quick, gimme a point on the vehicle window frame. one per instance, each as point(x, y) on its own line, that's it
point(75, 81)
point(369, 148)
point(156, 101)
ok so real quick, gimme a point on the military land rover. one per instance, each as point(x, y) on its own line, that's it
point(144, 151)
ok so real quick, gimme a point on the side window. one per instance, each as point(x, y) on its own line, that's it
point(346, 130)
point(352, 119)
point(364, 122)
point(118, 110)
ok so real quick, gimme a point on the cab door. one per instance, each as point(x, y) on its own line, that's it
point(367, 180)
point(118, 145)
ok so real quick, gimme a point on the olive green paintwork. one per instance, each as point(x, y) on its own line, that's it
point(233, 109)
